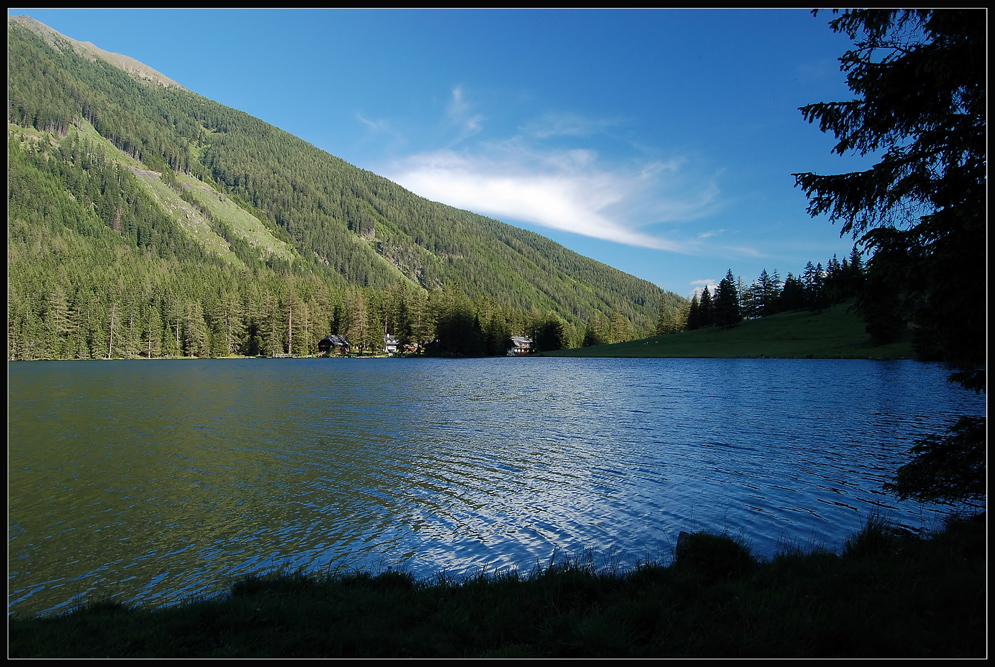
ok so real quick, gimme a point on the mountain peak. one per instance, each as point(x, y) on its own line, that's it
point(128, 64)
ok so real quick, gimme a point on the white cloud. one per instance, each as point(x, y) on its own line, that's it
point(551, 175)
point(565, 189)
point(698, 286)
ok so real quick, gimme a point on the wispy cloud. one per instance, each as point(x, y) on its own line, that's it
point(550, 174)
point(382, 131)
point(566, 125)
point(375, 125)
point(461, 117)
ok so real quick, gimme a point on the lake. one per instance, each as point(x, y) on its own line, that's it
point(157, 481)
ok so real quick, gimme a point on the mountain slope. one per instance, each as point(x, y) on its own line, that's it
point(255, 196)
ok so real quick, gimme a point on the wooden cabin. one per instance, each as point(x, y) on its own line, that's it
point(334, 344)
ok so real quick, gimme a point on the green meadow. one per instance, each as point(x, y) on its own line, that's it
point(835, 333)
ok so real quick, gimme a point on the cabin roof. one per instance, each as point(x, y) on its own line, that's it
point(335, 340)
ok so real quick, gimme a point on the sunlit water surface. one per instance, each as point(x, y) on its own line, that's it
point(158, 481)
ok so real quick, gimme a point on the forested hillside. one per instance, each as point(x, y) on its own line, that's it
point(146, 220)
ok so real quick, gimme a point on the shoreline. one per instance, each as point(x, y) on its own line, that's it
point(886, 594)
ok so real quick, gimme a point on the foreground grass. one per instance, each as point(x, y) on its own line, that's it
point(835, 333)
point(885, 595)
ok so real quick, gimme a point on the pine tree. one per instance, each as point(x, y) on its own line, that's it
point(693, 320)
point(772, 298)
point(765, 296)
point(726, 313)
point(620, 328)
point(792, 295)
point(548, 333)
point(357, 320)
point(58, 322)
point(919, 78)
point(195, 340)
point(152, 329)
point(665, 324)
point(705, 314)
point(497, 333)
point(230, 324)
point(598, 330)
point(113, 328)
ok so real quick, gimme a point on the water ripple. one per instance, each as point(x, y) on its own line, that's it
point(154, 481)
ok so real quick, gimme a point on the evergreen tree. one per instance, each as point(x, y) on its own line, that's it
point(548, 333)
point(458, 328)
point(171, 341)
point(497, 334)
point(750, 300)
point(705, 314)
point(856, 262)
point(920, 80)
point(113, 329)
point(765, 295)
point(620, 328)
point(76, 344)
point(151, 329)
point(878, 302)
point(422, 318)
point(357, 325)
point(58, 320)
point(598, 330)
point(335, 323)
point(919, 77)
point(196, 342)
point(666, 323)
point(741, 290)
point(230, 323)
point(271, 325)
point(725, 309)
point(130, 344)
point(792, 295)
point(773, 297)
point(402, 328)
point(813, 284)
point(693, 320)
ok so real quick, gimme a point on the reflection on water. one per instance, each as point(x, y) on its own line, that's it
point(155, 481)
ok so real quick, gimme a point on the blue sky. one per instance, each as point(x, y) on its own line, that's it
point(660, 142)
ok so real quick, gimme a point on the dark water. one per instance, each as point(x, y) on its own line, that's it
point(155, 481)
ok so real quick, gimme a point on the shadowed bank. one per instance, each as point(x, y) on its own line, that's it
point(887, 593)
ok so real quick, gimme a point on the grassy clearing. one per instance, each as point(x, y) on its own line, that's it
point(885, 595)
point(188, 217)
point(241, 222)
point(835, 333)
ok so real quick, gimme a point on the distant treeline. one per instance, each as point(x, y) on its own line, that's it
point(816, 288)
